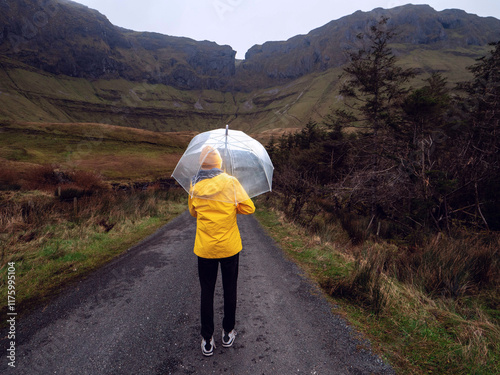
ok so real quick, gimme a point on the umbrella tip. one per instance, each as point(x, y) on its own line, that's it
point(227, 129)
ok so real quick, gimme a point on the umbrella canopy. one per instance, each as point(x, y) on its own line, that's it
point(242, 157)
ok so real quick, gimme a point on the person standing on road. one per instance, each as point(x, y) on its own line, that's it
point(218, 241)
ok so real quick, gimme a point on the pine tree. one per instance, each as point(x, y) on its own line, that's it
point(374, 86)
point(481, 151)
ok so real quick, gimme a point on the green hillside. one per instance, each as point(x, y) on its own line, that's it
point(31, 95)
point(79, 68)
point(116, 153)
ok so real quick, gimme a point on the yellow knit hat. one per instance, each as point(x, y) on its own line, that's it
point(210, 158)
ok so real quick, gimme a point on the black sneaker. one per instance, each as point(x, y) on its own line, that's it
point(228, 338)
point(207, 348)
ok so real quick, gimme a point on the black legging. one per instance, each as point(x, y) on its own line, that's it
point(207, 272)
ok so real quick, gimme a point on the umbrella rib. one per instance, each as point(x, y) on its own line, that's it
point(239, 144)
point(261, 162)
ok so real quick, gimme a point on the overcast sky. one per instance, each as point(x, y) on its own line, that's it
point(244, 23)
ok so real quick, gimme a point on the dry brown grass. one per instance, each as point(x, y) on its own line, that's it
point(130, 166)
point(115, 152)
point(9, 179)
point(452, 267)
point(432, 308)
point(54, 240)
point(15, 171)
point(174, 139)
point(265, 136)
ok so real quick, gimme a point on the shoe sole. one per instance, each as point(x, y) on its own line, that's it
point(207, 354)
point(230, 343)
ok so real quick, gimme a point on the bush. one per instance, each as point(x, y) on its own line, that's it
point(87, 180)
point(49, 177)
point(9, 179)
point(45, 177)
point(69, 194)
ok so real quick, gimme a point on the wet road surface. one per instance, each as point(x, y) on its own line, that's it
point(140, 315)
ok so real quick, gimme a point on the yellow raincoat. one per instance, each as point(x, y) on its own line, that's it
point(217, 233)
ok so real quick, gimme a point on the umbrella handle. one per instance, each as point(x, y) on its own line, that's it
point(225, 150)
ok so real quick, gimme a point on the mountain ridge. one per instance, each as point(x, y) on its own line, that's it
point(65, 37)
point(63, 62)
point(443, 29)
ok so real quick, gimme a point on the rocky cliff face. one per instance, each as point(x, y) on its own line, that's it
point(63, 37)
point(418, 26)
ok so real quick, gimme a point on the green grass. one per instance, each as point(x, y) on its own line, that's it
point(115, 152)
point(51, 243)
point(416, 333)
point(314, 255)
point(60, 247)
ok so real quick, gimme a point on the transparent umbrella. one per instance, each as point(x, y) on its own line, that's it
point(243, 158)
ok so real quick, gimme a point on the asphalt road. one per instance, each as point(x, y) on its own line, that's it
point(140, 315)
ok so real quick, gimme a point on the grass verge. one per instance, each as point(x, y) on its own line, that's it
point(51, 242)
point(419, 331)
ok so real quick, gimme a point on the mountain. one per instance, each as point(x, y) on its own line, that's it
point(64, 62)
point(419, 27)
point(64, 37)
